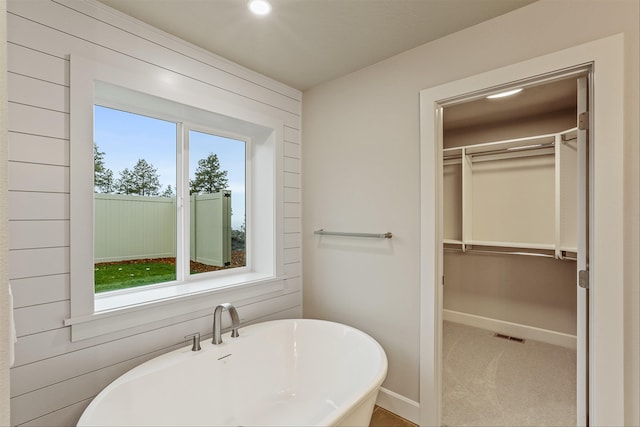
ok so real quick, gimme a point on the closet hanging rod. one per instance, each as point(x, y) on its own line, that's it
point(322, 232)
point(484, 251)
point(515, 152)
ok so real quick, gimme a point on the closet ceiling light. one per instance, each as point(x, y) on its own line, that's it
point(504, 94)
point(260, 7)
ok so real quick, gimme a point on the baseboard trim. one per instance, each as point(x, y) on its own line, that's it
point(399, 405)
point(512, 329)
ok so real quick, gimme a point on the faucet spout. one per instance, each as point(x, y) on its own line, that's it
point(217, 321)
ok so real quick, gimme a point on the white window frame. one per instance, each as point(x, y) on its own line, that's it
point(186, 255)
point(115, 83)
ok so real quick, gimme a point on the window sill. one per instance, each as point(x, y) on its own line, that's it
point(126, 310)
point(110, 301)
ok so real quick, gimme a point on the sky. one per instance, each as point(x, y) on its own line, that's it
point(125, 137)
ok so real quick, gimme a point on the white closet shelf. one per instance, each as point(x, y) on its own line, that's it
point(529, 160)
point(452, 241)
point(495, 248)
point(544, 141)
point(538, 141)
point(513, 245)
point(518, 245)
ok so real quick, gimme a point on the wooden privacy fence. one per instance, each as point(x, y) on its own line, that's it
point(130, 227)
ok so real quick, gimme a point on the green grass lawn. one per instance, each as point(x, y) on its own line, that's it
point(109, 277)
point(112, 276)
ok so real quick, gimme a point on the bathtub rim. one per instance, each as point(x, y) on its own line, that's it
point(335, 417)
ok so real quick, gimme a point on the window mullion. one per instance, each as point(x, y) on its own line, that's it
point(182, 203)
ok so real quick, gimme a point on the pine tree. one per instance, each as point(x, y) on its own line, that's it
point(102, 177)
point(208, 177)
point(168, 192)
point(143, 180)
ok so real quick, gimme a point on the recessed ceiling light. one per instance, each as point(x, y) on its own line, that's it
point(503, 94)
point(260, 7)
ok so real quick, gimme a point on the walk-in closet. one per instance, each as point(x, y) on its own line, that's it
point(510, 239)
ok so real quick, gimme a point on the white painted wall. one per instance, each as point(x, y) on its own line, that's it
point(54, 379)
point(361, 164)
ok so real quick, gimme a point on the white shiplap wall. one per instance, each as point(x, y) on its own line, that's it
point(54, 379)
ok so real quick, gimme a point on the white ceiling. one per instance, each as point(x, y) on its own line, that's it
point(306, 42)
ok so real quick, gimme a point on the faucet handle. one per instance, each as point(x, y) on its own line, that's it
point(196, 341)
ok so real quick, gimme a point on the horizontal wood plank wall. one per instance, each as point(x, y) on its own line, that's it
point(54, 379)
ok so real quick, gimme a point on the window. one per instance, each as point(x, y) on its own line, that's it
point(217, 226)
point(136, 214)
point(178, 132)
point(134, 200)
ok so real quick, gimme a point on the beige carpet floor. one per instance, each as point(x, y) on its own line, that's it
point(489, 381)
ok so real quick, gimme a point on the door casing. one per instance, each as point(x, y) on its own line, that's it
point(606, 359)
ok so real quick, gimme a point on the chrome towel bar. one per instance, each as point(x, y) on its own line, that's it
point(337, 233)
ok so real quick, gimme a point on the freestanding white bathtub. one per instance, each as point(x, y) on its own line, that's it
point(296, 372)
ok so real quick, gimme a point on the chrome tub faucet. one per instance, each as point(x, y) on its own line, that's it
point(217, 320)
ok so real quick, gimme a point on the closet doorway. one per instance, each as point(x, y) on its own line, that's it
point(600, 395)
point(513, 241)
